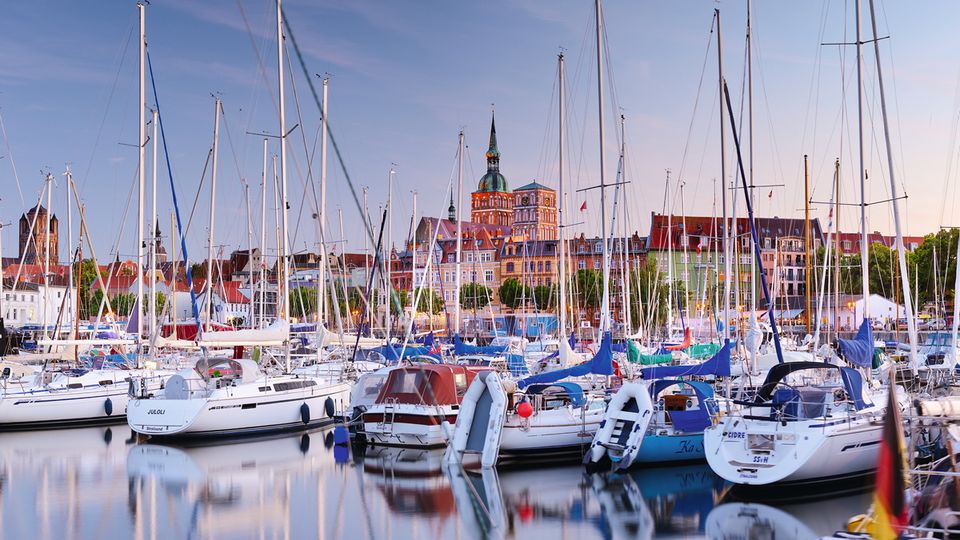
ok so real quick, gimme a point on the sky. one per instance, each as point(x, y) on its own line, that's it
point(407, 75)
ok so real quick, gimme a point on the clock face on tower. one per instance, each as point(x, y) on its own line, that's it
point(525, 201)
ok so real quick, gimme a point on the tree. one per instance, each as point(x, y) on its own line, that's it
point(513, 293)
point(936, 258)
point(587, 287)
point(123, 304)
point(303, 302)
point(430, 302)
point(545, 297)
point(475, 296)
point(198, 270)
point(649, 294)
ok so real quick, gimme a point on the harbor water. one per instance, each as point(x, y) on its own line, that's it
point(103, 483)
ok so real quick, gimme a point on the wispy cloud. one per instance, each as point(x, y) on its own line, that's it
point(20, 64)
point(321, 46)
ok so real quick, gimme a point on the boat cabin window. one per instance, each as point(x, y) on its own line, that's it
point(293, 385)
point(460, 380)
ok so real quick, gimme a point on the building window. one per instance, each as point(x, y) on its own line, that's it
point(598, 248)
point(510, 267)
point(548, 266)
point(488, 276)
point(581, 248)
point(582, 264)
point(596, 265)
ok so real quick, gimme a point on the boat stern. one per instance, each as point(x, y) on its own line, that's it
point(163, 417)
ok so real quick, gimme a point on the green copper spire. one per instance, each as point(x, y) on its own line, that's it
point(493, 181)
point(452, 211)
point(493, 154)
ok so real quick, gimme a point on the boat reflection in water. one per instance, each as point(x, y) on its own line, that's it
point(62, 483)
point(794, 521)
point(100, 483)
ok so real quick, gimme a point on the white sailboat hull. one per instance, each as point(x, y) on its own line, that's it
point(242, 410)
point(800, 452)
point(97, 397)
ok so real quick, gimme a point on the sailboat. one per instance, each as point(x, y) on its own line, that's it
point(225, 396)
point(810, 421)
point(87, 393)
point(552, 413)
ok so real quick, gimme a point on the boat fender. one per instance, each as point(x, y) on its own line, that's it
point(305, 413)
point(329, 408)
point(108, 407)
point(108, 436)
point(304, 443)
point(341, 436)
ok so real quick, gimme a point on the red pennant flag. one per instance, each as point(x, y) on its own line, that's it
point(583, 207)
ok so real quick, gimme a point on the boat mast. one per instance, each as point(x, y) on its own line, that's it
point(343, 268)
point(624, 241)
point(366, 262)
point(388, 252)
point(753, 257)
point(727, 227)
point(155, 237)
point(668, 208)
point(251, 311)
point(413, 257)
point(457, 281)
point(263, 235)
point(284, 248)
point(70, 252)
point(901, 252)
point(141, 176)
point(213, 208)
point(864, 253)
point(605, 314)
point(806, 239)
point(560, 201)
point(322, 278)
point(46, 259)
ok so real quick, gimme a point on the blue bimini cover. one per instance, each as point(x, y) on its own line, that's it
point(718, 365)
point(573, 390)
point(516, 365)
point(460, 348)
point(601, 364)
point(859, 350)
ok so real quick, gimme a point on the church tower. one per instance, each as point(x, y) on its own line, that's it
point(33, 242)
point(491, 203)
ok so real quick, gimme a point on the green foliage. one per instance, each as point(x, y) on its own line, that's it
point(303, 302)
point(475, 296)
point(430, 302)
point(588, 287)
point(649, 294)
point(927, 271)
point(545, 297)
point(513, 293)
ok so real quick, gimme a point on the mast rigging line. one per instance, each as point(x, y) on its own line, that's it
point(173, 193)
point(333, 140)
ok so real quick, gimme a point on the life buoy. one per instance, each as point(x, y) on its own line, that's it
point(305, 414)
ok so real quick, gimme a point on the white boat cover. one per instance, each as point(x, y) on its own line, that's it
point(276, 334)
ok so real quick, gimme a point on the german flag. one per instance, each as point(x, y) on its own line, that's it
point(890, 515)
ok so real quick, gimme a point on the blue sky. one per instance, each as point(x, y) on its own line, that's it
point(408, 75)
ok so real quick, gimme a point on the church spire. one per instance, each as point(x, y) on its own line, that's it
point(493, 154)
point(452, 210)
